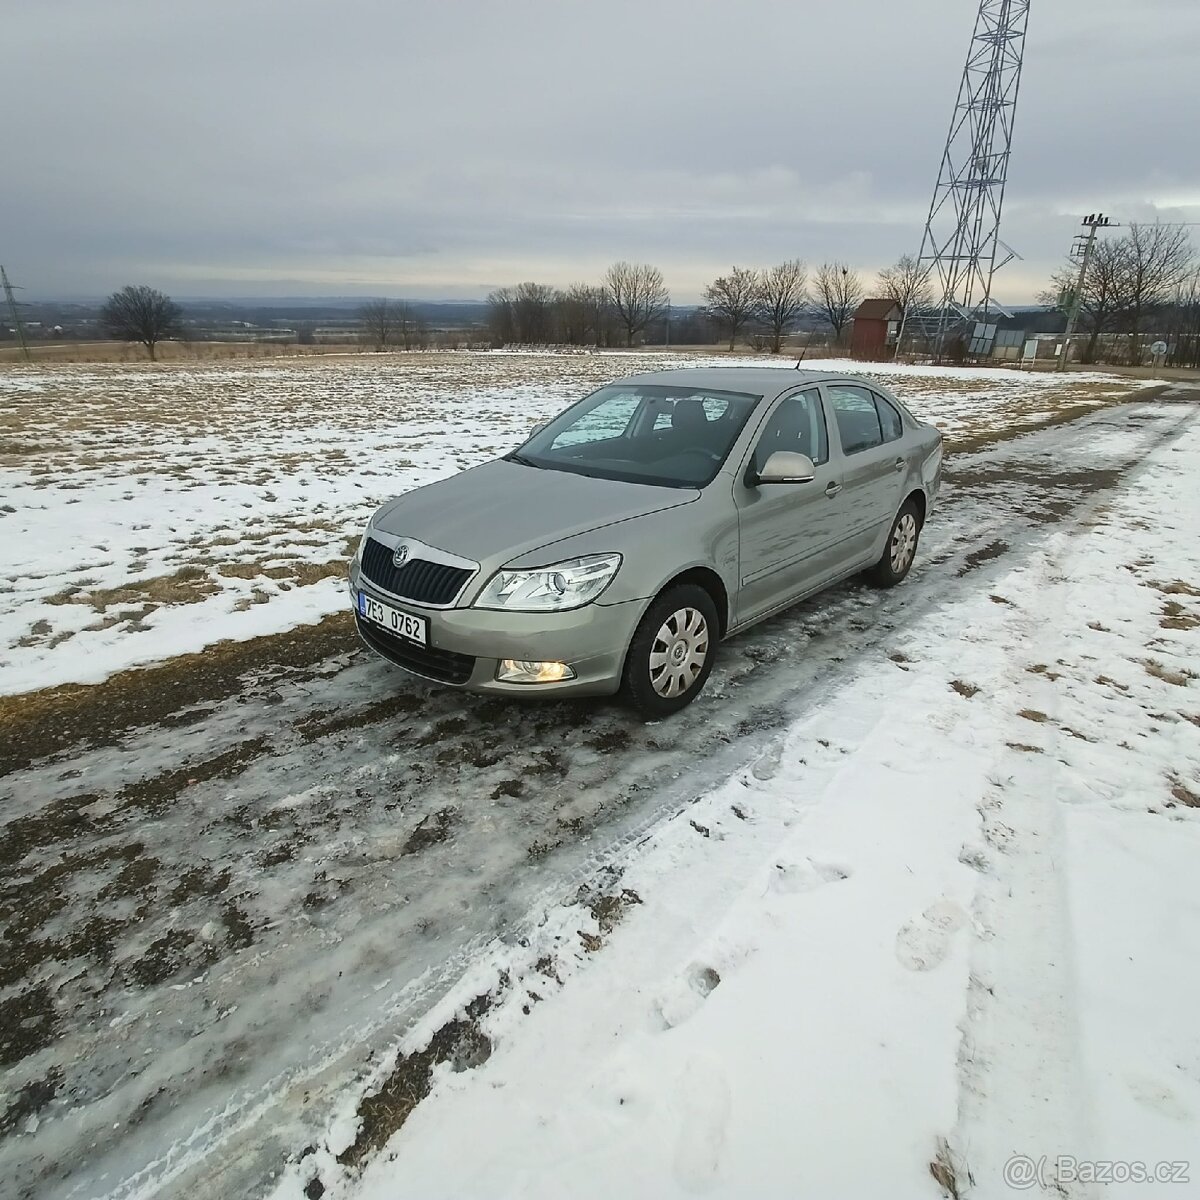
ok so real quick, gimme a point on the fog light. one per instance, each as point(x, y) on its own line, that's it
point(513, 671)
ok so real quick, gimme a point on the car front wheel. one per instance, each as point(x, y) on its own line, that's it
point(672, 651)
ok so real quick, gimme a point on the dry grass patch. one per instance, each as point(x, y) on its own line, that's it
point(1044, 669)
point(1175, 587)
point(1033, 714)
point(1180, 678)
point(1182, 793)
point(188, 585)
point(964, 689)
point(951, 1174)
point(459, 1042)
point(1175, 616)
point(306, 573)
point(242, 570)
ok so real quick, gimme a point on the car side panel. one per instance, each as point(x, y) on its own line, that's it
point(872, 482)
point(790, 534)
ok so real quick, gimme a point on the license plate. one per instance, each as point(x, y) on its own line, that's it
point(402, 624)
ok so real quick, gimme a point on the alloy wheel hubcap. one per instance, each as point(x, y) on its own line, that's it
point(904, 542)
point(678, 653)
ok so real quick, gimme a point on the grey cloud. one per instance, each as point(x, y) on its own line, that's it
point(435, 150)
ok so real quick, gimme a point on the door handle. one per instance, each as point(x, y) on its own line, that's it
point(832, 489)
point(899, 464)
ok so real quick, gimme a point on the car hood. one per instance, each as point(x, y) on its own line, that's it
point(502, 510)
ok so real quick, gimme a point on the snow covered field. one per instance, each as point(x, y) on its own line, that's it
point(151, 511)
point(912, 882)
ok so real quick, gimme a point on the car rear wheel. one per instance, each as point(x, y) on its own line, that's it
point(900, 548)
point(672, 651)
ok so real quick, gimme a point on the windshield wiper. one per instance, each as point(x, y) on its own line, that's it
point(520, 458)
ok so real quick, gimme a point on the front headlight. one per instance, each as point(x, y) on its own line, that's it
point(570, 584)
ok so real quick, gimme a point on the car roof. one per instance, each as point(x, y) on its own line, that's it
point(760, 381)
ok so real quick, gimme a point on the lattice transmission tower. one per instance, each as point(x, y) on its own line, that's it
point(961, 249)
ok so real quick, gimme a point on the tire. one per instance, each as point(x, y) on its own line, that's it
point(672, 651)
point(900, 548)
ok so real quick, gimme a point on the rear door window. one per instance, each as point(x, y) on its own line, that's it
point(856, 415)
point(889, 418)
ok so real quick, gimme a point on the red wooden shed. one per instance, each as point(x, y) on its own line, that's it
point(876, 325)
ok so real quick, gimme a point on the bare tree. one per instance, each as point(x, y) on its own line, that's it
point(533, 313)
point(839, 291)
point(141, 314)
point(1154, 261)
point(731, 299)
point(381, 322)
point(502, 321)
point(1182, 326)
point(584, 314)
point(638, 295)
point(781, 299)
point(906, 283)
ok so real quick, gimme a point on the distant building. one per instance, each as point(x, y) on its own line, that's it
point(876, 325)
point(1011, 334)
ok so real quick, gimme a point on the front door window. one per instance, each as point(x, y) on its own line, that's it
point(798, 425)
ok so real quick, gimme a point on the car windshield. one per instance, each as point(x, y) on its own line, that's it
point(643, 433)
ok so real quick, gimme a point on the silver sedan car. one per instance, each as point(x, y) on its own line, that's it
point(632, 533)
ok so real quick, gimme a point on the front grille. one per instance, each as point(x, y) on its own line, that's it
point(418, 580)
point(446, 665)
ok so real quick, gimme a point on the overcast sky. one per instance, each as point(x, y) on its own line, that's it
point(439, 149)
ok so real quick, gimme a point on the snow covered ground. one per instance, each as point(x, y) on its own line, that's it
point(948, 922)
point(912, 882)
point(149, 511)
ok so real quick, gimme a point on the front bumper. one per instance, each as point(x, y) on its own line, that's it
point(467, 645)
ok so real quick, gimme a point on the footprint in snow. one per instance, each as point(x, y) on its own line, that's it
point(767, 765)
point(1158, 1097)
point(681, 1001)
point(704, 1110)
point(924, 943)
point(805, 875)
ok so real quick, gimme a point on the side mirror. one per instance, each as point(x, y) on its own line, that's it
point(538, 427)
point(784, 466)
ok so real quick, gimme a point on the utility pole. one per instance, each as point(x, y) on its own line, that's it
point(16, 314)
point(1083, 247)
